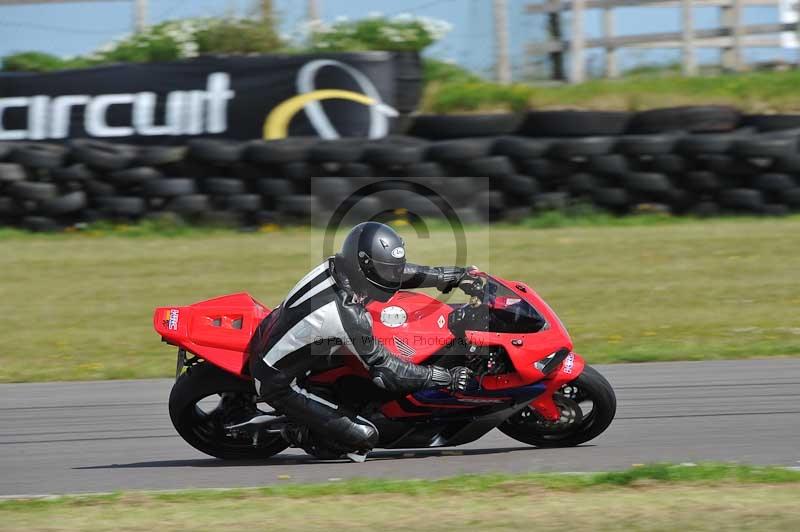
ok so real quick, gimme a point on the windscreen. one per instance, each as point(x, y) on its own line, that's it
point(508, 312)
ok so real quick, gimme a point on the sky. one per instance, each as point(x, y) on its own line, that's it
point(77, 28)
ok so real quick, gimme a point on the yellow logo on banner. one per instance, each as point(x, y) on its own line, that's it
point(276, 126)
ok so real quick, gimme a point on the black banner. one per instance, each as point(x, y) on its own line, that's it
point(231, 97)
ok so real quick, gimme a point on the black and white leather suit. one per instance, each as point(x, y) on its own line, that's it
point(318, 315)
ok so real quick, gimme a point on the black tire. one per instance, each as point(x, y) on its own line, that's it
point(281, 151)
point(29, 190)
point(297, 171)
point(702, 181)
point(272, 189)
point(519, 148)
point(765, 146)
point(791, 198)
point(789, 164)
point(573, 123)
point(669, 163)
point(774, 183)
point(75, 172)
point(363, 209)
point(11, 172)
point(612, 164)
point(695, 119)
point(68, 203)
point(453, 151)
point(39, 156)
point(99, 189)
point(168, 188)
point(742, 199)
point(243, 202)
point(612, 198)
point(426, 169)
point(134, 176)
point(336, 151)
point(704, 144)
point(299, 205)
point(647, 182)
point(646, 144)
point(160, 155)
point(223, 186)
point(215, 151)
point(526, 428)
point(189, 205)
point(581, 147)
point(518, 188)
point(704, 209)
point(102, 155)
point(390, 154)
point(547, 169)
point(122, 205)
point(356, 170)
point(204, 431)
point(772, 122)
point(331, 191)
point(8, 207)
point(5, 149)
point(440, 127)
point(494, 166)
point(461, 189)
point(581, 184)
point(489, 204)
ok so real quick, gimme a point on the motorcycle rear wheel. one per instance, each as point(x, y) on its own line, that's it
point(577, 424)
point(204, 429)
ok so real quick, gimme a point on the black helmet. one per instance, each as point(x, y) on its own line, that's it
point(373, 258)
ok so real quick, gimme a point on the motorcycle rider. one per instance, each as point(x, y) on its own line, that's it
point(325, 310)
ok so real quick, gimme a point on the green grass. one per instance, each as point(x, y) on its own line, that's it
point(654, 497)
point(756, 92)
point(80, 306)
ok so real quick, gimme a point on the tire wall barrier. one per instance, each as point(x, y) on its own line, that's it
point(699, 161)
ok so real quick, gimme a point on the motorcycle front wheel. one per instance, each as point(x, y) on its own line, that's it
point(587, 404)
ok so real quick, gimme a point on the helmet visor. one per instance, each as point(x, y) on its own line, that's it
point(386, 274)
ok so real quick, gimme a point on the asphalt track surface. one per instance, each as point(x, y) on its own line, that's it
point(106, 436)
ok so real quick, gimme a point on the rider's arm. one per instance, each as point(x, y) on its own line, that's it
point(386, 370)
point(443, 278)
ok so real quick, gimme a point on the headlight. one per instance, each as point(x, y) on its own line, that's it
point(549, 363)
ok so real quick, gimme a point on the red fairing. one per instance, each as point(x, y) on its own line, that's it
point(217, 330)
point(411, 325)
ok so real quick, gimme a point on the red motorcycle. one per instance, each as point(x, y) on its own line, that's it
point(528, 382)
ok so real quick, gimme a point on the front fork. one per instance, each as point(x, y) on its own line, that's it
point(569, 370)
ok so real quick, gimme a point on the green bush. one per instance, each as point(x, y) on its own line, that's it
point(459, 97)
point(404, 33)
point(239, 37)
point(167, 41)
point(442, 71)
point(40, 62)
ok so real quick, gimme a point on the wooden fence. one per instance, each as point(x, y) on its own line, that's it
point(732, 37)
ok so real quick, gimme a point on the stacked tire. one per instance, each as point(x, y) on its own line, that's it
point(701, 161)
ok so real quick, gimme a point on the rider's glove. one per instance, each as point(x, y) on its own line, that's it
point(451, 276)
point(460, 379)
point(456, 379)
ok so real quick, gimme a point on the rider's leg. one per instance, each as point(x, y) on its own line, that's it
point(279, 388)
